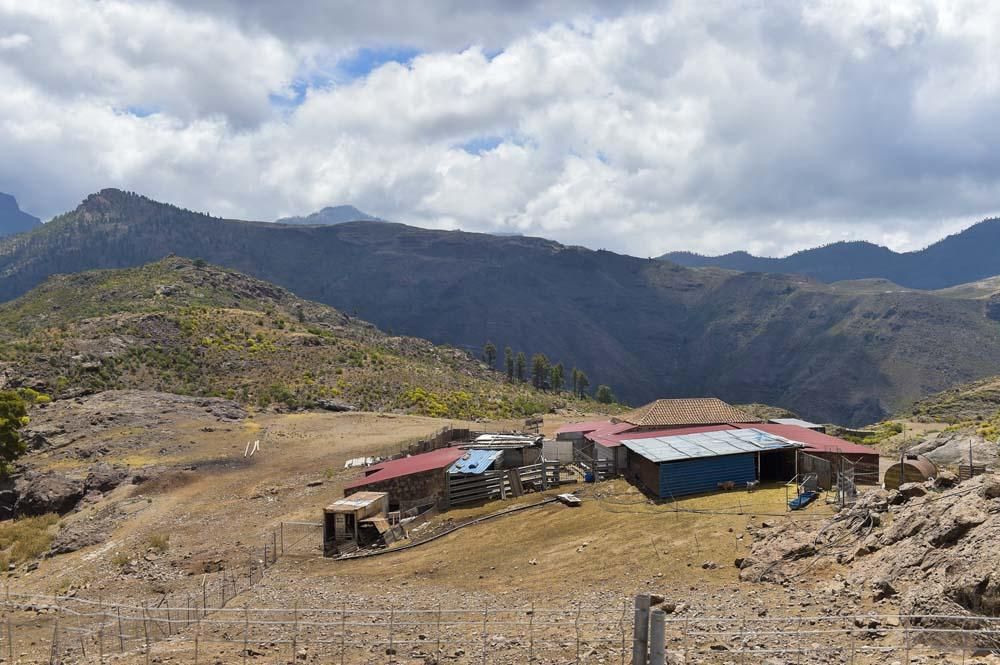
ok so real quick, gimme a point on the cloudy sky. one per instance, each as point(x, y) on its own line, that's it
point(640, 128)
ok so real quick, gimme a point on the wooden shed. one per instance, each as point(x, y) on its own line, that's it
point(909, 469)
point(345, 520)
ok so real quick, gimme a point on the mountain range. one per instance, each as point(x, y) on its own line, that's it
point(849, 353)
point(332, 215)
point(13, 219)
point(962, 257)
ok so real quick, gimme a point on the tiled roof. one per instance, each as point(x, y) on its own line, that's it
point(690, 411)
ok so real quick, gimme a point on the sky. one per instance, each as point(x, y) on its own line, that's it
point(639, 127)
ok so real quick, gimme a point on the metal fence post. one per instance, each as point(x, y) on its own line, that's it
point(657, 638)
point(640, 630)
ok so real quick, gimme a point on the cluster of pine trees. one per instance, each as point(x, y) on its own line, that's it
point(543, 373)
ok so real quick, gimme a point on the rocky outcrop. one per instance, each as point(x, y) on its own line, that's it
point(938, 550)
point(952, 449)
point(104, 477)
point(40, 492)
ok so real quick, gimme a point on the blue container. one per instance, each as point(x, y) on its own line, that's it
point(588, 477)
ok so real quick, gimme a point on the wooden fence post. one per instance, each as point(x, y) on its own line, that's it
point(621, 626)
point(640, 630)
point(145, 631)
point(657, 638)
point(281, 528)
point(121, 635)
point(343, 631)
point(486, 618)
point(531, 633)
point(246, 631)
point(10, 641)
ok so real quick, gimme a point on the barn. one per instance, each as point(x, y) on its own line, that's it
point(682, 464)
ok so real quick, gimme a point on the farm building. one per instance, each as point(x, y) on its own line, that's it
point(682, 464)
point(666, 417)
point(359, 519)
point(423, 479)
point(837, 452)
point(409, 481)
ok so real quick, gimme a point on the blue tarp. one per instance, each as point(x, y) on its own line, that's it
point(475, 461)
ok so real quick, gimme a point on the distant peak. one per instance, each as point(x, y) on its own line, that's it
point(12, 218)
point(338, 214)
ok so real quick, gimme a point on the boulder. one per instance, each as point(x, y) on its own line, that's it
point(912, 490)
point(991, 487)
point(945, 479)
point(335, 405)
point(39, 493)
point(103, 477)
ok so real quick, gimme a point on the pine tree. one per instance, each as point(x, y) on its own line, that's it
point(508, 361)
point(490, 354)
point(539, 370)
point(522, 365)
point(582, 384)
point(557, 377)
point(604, 395)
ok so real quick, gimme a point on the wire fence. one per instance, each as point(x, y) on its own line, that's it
point(85, 630)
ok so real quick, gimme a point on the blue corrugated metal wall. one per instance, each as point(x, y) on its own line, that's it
point(705, 474)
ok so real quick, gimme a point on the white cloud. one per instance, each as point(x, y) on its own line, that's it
point(772, 128)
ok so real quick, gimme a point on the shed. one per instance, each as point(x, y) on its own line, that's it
point(342, 519)
point(910, 469)
point(409, 481)
point(678, 465)
point(837, 452)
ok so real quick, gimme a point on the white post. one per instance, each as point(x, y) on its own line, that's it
point(640, 630)
point(657, 638)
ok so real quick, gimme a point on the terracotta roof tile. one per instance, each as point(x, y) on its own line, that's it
point(690, 411)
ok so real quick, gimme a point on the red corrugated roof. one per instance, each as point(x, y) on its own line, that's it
point(437, 459)
point(584, 427)
point(814, 440)
point(611, 439)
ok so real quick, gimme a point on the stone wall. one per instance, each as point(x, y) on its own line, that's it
point(409, 488)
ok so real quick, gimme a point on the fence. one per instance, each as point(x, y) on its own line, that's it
point(967, 471)
point(80, 630)
point(501, 483)
point(810, 464)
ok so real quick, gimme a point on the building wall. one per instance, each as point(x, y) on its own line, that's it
point(409, 488)
point(705, 474)
point(646, 473)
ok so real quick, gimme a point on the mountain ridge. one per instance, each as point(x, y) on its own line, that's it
point(14, 220)
point(958, 258)
point(648, 328)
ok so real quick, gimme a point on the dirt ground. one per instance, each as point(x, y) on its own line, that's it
point(214, 508)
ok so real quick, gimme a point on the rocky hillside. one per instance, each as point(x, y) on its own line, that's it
point(648, 328)
point(926, 549)
point(963, 257)
point(185, 327)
